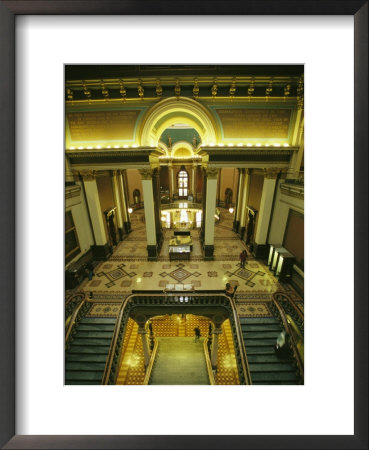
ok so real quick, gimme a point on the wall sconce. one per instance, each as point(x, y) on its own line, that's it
point(130, 210)
point(231, 210)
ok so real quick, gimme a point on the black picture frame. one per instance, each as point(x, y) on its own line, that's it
point(8, 11)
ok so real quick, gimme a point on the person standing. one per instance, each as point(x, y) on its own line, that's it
point(243, 257)
point(197, 333)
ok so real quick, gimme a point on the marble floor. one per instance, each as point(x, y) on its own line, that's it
point(128, 268)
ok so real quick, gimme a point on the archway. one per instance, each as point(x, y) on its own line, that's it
point(174, 110)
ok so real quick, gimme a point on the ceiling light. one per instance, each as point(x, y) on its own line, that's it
point(89, 147)
point(285, 145)
point(249, 145)
point(221, 145)
point(81, 148)
point(239, 145)
point(109, 146)
point(125, 146)
point(277, 145)
point(116, 146)
point(99, 146)
point(230, 145)
point(71, 148)
point(258, 145)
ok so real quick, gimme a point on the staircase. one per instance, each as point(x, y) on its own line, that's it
point(86, 357)
point(179, 361)
point(259, 336)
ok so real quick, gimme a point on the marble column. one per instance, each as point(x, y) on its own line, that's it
point(157, 204)
point(214, 351)
point(264, 215)
point(124, 203)
point(236, 223)
point(203, 204)
point(171, 181)
point(193, 183)
point(145, 345)
point(117, 201)
point(211, 193)
point(149, 208)
point(245, 198)
point(101, 250)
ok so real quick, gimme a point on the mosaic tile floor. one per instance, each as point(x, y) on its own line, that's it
point(128, 268)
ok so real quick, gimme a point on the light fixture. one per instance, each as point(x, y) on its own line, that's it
point(221, 145)
point(89, 147)
point(258, 145)
point(249, 145)
point(231, 210)
point(125, 146)
point(277, 145)
point(116, 146)
point(80, 148)
point(99, 146)
point(239, 145)
point(109, 146)
point(230, 145)
point(285, 145)
point(130, 210)
point(71, 148)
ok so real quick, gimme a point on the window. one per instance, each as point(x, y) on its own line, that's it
point(71, 240)
point(182, 183)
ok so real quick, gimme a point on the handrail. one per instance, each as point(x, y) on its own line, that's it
point(149, 299)
point(291, 303)
point(73, 319)
point(110, 358)
point(287, 327)
point(244, 358)
point(151, 363)
point(208, 362)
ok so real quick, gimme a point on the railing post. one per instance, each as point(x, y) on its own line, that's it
point(142, 332)
point(214, 352)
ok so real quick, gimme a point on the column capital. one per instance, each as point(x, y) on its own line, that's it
point(248, 171)
point(88, 175)
point(271, 173)
point(146, 173)
point(212, 172)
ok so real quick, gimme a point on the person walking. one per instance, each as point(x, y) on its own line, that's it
point(243, 257)
point(197, 333)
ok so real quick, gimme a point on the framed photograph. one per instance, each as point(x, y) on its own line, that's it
point(97, 97)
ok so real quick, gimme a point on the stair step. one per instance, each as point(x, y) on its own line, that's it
point(85, 349)
point(84, 376)
point(100, 320)
point(96, 327)
point(261, 320)
point(260, 351)
point(88, 357)
point(264, 358)
point(84, 366)
point(261, 327)
point(265, 367)
point(259, 342)
point(261, 334)
point(270, 377)
point(92, 341)
point(93, 334)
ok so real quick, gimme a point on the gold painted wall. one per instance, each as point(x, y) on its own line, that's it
point(256, 189)
point(255, 123)
point(102, 125)
point(228, 179)
point(294, 236)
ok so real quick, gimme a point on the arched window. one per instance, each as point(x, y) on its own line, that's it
point(182, 183)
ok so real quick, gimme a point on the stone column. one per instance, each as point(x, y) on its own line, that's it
point(171, 182)
point(245, 198)
point(266, 204)
point(211, 193)
point(101, 250)
point(118, 204)
point(203, 204)
point(236, 223)
point(193, 183)
point(214, 351)
point(157, 203)
point(145, 345)
point(124, 203)
point(152, 248)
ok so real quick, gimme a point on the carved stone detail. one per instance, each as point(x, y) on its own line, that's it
point(271, 173)
point(212, 172)
point(146, 173)
point(88, 175)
